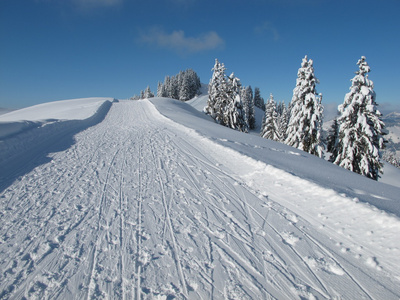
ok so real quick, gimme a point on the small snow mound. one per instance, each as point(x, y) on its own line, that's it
point(144, 257)
point(335, 269)
point(373, 263)
point(290, 238)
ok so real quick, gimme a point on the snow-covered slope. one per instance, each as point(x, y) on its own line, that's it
point(390, 175)
point(27, 118)
point(157, 201)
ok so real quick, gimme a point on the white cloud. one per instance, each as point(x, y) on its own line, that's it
point(268, 27)
point(177, 41)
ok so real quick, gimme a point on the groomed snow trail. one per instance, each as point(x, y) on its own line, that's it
point(135, 209)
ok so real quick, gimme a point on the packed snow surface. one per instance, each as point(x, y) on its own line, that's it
point(153, 200)
point(35, 116)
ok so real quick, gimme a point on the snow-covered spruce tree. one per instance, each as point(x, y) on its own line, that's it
point(245, 100)
point(193, 82)
point(174, 87)
point(160, 89)
point(235, 116)
point(258, 100)
point(332, 140)
point(248, 105)
point(185, 92)
point(224, 103)
point(360, 127)
point(282, 121)
point(305, 123)
point(167, 87)
point(270, 126)
point(148, 93)
point(217, 93)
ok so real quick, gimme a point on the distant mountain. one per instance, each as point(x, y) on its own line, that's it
point(5, 110)
point(392, 121)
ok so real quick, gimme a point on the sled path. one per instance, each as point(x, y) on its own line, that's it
point(141, 207)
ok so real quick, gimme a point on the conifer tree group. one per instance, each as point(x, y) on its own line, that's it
point(224, 103)
point(356, 137)
point(183, 86)
point(354, 141)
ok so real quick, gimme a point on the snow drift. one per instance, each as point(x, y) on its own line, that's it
point(42, 114)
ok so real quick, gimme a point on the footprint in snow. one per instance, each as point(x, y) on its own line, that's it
point(325, 265)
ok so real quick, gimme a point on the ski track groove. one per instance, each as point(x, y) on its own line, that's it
point(324, 250)
point(245, 207)
point(139, 228)
point(121, 226)
point(176, 255)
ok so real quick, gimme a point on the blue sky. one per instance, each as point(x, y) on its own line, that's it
point(62, 49)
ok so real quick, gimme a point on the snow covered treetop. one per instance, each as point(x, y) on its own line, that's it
point(361, 78)
point(304, 62)
point(305, 76)
point(363, 65)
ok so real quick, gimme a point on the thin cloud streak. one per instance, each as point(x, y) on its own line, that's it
point(178, 42)
point(96, 3)
point(268, 27)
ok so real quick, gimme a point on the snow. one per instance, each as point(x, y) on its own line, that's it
point(74, 109)
point(38, 115)
point(391, 175)
point(154, 200)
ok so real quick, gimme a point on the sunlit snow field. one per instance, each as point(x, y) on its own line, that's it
point(152, 200)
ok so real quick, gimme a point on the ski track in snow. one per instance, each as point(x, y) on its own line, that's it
point(135, 209)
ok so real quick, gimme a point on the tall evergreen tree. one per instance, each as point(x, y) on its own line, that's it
point(282, 119)
point(217, 96)
point(361, 128)
point(174, 87)
point(245, 96)
point(234, 113)
point(193, 82)
point(332, 140)
point(148, 93)
point(185, 92)
point(248, 106)
point(160, 88)
point(305, 124)
point(258, 100)
point(270, 126)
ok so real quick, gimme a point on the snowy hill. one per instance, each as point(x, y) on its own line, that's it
point(392, 122)
point(153, 200)
point(42, 114)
